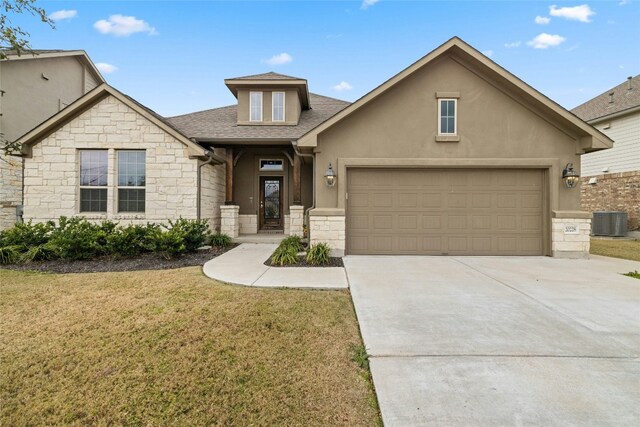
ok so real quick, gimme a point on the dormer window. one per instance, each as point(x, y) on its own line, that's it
point(255, 106)
point(277, 110)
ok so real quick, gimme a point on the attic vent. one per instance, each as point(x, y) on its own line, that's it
point(610, 97)
point(629, 83)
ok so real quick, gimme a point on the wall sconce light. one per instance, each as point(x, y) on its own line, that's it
point(330, 177)
point(569, 176)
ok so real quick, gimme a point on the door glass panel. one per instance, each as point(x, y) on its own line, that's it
point(271, 199)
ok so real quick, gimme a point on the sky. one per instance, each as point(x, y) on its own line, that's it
point(173, 56)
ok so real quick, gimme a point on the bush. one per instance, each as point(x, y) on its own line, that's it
point(220, 240)
point(9, 254)
point(133, 240)
point(294, 242)
point(77, 238)
point(193, 232)
point(318, 254)
point(27, 234)
point(284, 255)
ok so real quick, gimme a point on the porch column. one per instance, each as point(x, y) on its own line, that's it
point(297, 193)
point(228, 199)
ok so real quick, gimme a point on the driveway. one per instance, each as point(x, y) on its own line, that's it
point(500, 340)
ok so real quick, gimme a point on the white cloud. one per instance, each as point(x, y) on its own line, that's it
point(544, 41)
point(513, 44)
point(368, 3)
point(106, 68)
point(487, 53)
point(342, 86)
point(63, 14)
point(542, 20)
point(623, 2)
point(280, 59)
point(580, 13)
point(122, 26)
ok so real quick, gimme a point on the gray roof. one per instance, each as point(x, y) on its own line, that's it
point(266, 76)
point(600, 106)
point(221, 123)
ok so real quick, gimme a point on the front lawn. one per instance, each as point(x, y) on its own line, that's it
point(626, 249)
point(175, 348)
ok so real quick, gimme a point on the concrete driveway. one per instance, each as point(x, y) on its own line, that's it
point(500, 340)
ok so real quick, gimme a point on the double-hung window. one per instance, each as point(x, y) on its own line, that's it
point(93, 180)
point(277, 109)
point(447, 110)
point(132, 178)
point(255, 106)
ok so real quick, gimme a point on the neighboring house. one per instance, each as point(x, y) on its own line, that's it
point(33, 87)
point(611, 178)
point(452, 156)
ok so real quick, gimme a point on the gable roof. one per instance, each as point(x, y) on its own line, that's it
point(220, 124)
point(589, 138)
point(267, 76)
point(90, 99)
point(626, 97)
point(81, 55)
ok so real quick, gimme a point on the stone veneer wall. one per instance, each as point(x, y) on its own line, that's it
point(248, 224)
point(570, 237)
point(296, 221)
point(330, 230)
point(229, 221)
point(212, 192)
point(613, 192)
point(51, 181)
point(10, 189)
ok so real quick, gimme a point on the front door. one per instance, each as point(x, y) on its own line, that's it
point(271, 203)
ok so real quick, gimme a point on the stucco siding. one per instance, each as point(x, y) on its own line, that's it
point(51, 183)
point(89, 81)
point(625, 154)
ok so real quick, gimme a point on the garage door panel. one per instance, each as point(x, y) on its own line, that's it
point(455, 211)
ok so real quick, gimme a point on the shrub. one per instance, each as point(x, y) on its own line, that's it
point(170, 243)
point(318, 254)
point(27, 234)
point(220, 240)
point(193, 232)
point(9, 254)
point(42, 252)
point(294, 242)
point(284, 255)
point(133, 239)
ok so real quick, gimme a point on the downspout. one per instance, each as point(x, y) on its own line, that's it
point(211, 158)
point(313, 203)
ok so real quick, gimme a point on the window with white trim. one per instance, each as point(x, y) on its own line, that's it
point(93, 180)
point(255, 106)
point(447, 113)
point(277, 109)
point(132, 177)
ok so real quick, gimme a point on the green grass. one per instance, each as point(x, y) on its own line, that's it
point(175, 348)
point(626, 249)
point(634, 274)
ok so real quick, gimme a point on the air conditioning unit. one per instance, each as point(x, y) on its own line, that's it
point(609, 223)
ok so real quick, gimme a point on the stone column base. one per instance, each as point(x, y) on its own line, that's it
point(229, 218)
point(570, 234)
point(296, 220)
point(329, 228)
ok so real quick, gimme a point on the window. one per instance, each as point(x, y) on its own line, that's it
point(131, 181)
point(271, 165)
point(277, 111)
point(447, 113)
point(93, 180)
point(255, 106)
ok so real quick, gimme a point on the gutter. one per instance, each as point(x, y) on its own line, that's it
point(313, 204)
point(212, 158)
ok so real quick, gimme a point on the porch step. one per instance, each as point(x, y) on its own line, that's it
point(260, 238)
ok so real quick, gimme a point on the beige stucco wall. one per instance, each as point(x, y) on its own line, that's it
point(400, 126)
point(291, 105)
point(51, 183)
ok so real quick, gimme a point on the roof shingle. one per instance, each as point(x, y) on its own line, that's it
point(267, 76)
point(601, 105)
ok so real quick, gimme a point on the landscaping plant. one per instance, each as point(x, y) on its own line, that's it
point(219, 240)
point(9, 254)
point(294, 242)
point(285, 255)
point(318, 254)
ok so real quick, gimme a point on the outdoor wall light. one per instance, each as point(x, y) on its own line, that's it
point(330, 177)
point(569, 176)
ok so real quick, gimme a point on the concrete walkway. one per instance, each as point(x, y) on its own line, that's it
point(486, 341)
point(244, 265)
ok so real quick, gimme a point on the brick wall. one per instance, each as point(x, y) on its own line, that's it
point(51, 182)
point(10, 189)
point(613, 192)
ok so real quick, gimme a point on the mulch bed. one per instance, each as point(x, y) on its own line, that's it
point(333, 262)
point(148, 261)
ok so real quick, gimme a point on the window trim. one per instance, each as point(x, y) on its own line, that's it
point(129, 187)
point(251, 106)
point(267, 159)
point(284, 109)
point(91, 187)
point(455, 117)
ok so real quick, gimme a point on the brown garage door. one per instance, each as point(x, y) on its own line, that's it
point(445, 211)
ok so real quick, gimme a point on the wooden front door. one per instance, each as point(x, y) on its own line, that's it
point(271, 203)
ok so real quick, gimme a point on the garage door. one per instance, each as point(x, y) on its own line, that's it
point(445, 211)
